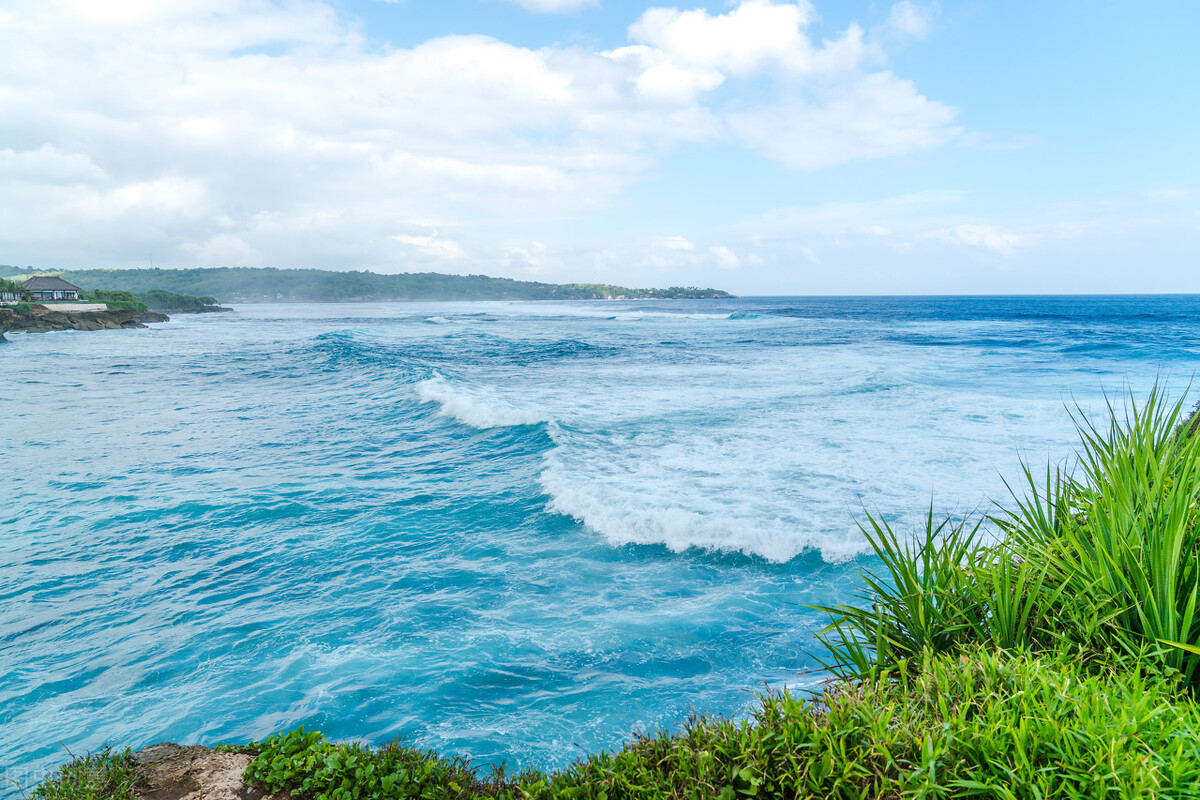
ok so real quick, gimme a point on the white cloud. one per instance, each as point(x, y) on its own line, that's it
point(724, 257)
point(224, 250)
point(946, 242)
point(272, 132)
point(874, 218)
point(990, 237)
point(444, 249)
point(903, 224)
point(661, 77)
point(755, 34)
point(829, 108)
point(874, 116)
point(906, 20)
point(48, 165)
point(676, 243)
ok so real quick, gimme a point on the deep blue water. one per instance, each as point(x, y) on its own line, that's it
point(518, 531)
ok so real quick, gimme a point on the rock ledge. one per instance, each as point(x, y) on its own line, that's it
point(44, 321)
point(175, 772)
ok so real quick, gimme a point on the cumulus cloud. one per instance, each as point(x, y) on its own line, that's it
point(872, 116)
point(661, 77)
point(263, 131)
point(755, 34)
point(828, 107)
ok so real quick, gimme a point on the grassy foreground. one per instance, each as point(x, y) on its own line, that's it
point(1049, 650)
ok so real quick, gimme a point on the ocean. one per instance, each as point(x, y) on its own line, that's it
point(521, 532)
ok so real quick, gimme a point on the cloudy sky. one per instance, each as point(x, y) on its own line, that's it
point(762, 146)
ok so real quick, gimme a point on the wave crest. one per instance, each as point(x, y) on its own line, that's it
point(473, 410)
point(644, 508)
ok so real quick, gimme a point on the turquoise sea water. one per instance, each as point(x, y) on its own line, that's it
point(517, 531)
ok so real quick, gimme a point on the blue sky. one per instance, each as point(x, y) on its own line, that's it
point(763, 146)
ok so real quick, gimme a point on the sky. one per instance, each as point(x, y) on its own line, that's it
point(758, 146)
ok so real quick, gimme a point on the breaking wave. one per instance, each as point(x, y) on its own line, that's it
point(474, 410)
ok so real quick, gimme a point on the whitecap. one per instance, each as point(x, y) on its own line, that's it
point(713, 493)
point(470, 407)
point(624, 517)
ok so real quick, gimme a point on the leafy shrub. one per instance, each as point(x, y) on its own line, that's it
point(25, 308)
point(304, 763)
point(988, 724)
point(116, 300)
point(12, 287)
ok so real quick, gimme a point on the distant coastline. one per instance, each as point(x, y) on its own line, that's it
point(270, 285)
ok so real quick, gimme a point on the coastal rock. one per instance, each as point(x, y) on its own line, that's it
point(44, 321)
point(174, 772)
point(152, 316)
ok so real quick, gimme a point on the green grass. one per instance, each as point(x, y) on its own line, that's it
point(987, 724)
point(106, 775)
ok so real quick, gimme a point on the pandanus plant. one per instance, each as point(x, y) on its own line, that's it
point(1102, 554)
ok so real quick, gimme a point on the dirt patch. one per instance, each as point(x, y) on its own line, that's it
point(172, 772)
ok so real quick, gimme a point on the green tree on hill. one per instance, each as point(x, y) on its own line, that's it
point(244, 284)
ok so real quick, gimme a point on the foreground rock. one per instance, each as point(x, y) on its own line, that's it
point(172, 772)
point(42, 320)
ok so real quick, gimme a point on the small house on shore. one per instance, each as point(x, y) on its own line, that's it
point(42, 288)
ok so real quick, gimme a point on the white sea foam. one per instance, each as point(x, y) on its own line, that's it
point(772, 451)
point(623, 515)
point(472, 409)
point(778, 461)
point(637, 316)
point(720, 491)
point(437, 320)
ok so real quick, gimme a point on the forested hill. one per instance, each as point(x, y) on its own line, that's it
point(245, 284)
